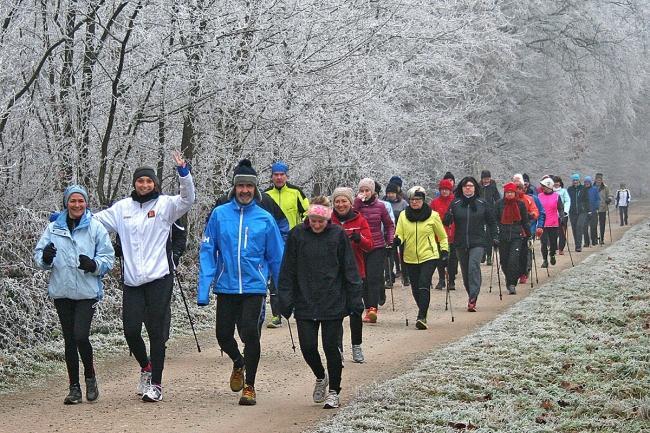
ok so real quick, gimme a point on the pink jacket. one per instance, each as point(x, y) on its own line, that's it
point(550, 203)
point(375, 213)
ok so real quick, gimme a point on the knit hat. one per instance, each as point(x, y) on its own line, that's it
point(244, 173)
point(517, 178)
point(485, 173)
point(343, 191)
point(319, 211)
point(416, 192)
point(547, 182)
point(450, 176)
point(599, 176)
point(588, 179)
point(396, 180)
point(74, 189)
point(368, 183)
point(575, 176)
point(279, 167)
point(148, 172)
point(392, 187)
point(446, 184)
point(526, 178)
point(510, 186)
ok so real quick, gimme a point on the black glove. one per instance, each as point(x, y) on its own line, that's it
point(86, 264)
point(608, 201)
point(355, 237)
point(49, 252)
point(397, 242)
point(444, 257)
point(176, 258)
point(287, 313)
point(495, 242)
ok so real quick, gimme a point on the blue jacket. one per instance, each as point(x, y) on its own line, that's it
point(241, 246)
point(89, 238)
point(594, 198)
point(541, 219)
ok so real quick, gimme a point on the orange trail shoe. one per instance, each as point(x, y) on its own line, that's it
point(248, 396)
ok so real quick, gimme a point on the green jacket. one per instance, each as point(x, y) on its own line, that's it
point(419, 238)
point(292, 201)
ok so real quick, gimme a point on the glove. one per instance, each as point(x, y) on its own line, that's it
point(355, 237)
point(287, 314)
point(444, 258)
point(539, 232)
point(86, 264)
point(176, 258)
point(389, 246)
point(397, 241)
point(608, 201)
point(49, 252)
point(495, 242)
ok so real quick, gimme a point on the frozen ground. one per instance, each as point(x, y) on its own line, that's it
point(572, 357)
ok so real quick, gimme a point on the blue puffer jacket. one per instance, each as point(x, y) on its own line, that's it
point(594, 198)
point(241, 246)
point(89, 238)
point(541, 219)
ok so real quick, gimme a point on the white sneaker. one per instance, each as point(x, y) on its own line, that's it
point(145, 382)
point(320, 389)
point(332, 400)
point(357, 354)
point(153, 394)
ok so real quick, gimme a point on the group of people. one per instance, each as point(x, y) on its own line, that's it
point(321, 260)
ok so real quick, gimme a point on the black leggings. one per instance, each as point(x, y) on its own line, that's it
point(374, 281)
point(308, 337)
point(420, 275)
point(622, 213)
point(509, 259)
point(562, 234)
point(243, 311)
point(75, 317)
point(549, 238)
point(148, 304)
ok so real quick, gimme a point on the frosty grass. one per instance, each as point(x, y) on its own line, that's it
point(574, 356)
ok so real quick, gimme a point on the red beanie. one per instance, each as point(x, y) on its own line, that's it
point(446, 184)
point(510, 186)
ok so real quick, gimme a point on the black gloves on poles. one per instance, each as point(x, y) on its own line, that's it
point(355, 237)
point(87, 264)
point(444, 258)
point(49, 252)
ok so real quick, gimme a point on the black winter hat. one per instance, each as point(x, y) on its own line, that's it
point(377, 187)
point(148, 172)
point(448, 175)
point(526, 177)
point(485, 173)
point(391, 187)
point(396, 180)
point(244, 173)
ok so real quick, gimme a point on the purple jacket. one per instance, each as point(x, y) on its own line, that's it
point(375, 213)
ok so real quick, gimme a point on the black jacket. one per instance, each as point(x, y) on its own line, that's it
point(579, 200)
point(489, 193)
point(471, 216)
point(517, 230)
point(319, 279)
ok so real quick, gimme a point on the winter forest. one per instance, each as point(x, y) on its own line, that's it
point(340, 89)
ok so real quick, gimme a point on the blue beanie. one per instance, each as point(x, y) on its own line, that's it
point(588, 179)
point(74, 189)
point(396, 180)
point(575, 176)
point(279, 167)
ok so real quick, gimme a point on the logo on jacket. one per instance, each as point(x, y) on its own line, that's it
point(151, 213)
point(206, 239)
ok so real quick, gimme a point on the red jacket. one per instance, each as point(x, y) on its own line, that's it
point(440, 205)
point(357, 224)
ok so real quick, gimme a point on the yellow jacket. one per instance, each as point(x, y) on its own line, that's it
point(292, 201)
point(419, 238)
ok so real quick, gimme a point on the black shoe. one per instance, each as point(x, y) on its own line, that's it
point(92, 391)
point(512, 290)
point(578, 250)
point(440, 285)
point(451, 286)
point(74, 396)
point(483, 259)
point(406, 282)
point(553, 261)
point(544, 264)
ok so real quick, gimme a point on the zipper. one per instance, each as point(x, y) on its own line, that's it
point(417, 255)
point(246, 238)
point(259, 269)
point(467, 228)
point(241, 223)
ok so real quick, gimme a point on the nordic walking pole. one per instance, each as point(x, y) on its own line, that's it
point(293, 345)
point(568, 247)
point(451, 309)
point(491, 272)
point(389, 264)
point(187, 310)
point(496, 258)
point(532, 250)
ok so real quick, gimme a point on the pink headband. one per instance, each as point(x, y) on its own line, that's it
point(318, 210)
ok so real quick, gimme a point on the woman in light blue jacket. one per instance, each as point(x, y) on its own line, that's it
point(78, 251)
point(558, 187)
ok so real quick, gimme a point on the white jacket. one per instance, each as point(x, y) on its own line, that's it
point(144, 230)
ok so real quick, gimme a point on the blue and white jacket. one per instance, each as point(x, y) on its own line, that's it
point(241, 246)
point(89, 238)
